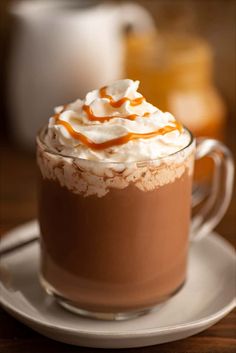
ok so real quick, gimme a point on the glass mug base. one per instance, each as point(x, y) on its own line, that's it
point(108, 316)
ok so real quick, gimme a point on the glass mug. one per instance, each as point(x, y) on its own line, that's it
point(115, 236)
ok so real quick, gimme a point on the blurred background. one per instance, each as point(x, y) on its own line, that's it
point(54, 51)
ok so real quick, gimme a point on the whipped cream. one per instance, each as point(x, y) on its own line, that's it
point(111, 122)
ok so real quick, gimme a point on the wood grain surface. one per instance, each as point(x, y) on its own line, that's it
point(18, 205)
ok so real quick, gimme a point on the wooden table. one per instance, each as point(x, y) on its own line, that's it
point(18, 204)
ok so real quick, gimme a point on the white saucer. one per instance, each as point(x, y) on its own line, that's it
point(208, 295)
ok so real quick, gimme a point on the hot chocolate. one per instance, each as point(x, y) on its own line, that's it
point(114, 206)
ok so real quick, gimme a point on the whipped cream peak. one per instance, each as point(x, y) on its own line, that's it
point(118, 90)
point(115, 123)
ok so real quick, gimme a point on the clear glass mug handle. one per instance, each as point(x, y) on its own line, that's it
point(220, 194)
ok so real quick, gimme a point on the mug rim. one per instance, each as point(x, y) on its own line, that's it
point(40, 142)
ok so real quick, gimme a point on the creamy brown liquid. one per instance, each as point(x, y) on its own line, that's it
point(124, 251)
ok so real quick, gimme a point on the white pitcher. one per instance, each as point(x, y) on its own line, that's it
point(60, 52)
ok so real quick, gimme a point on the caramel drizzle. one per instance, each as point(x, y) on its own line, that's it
point(119, 140)
point(92, 117)
point(114, 104)
point(118, 104)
